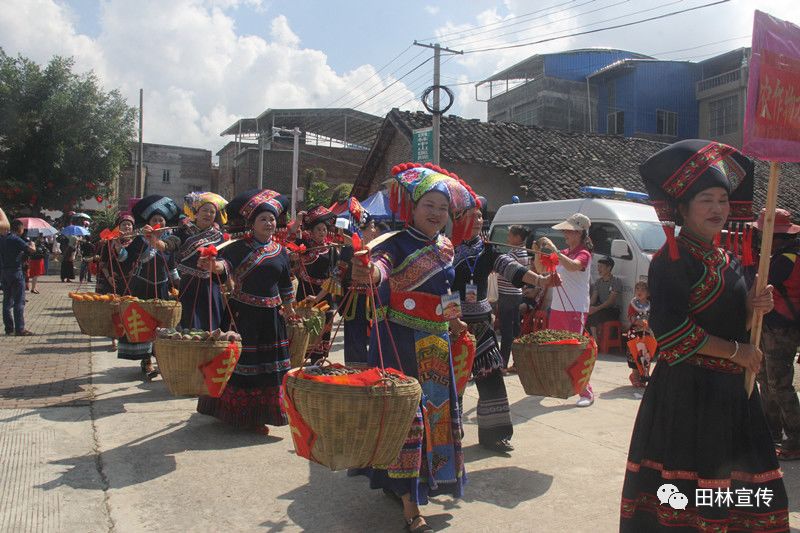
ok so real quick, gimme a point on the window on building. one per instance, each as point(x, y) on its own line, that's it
point(666, 122)
point(165, 176)
point(615, 123)
point(723, 116)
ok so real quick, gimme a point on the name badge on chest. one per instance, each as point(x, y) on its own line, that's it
point(471, 293)
point(451, 306)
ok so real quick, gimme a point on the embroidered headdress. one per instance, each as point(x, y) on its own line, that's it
point(681, 170)
point(155, 204)
point(412, 181)
point(317, 215)
point(263, 200)
point(193, 201)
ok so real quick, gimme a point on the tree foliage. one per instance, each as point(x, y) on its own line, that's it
point(341, 192)
point(62, 138)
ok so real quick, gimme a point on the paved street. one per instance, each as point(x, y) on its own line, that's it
point(87, 446)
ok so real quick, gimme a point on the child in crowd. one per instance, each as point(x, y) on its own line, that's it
point(641, 342)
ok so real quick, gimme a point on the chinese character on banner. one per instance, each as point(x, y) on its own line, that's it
point(763, 496)
point(217, 372)
point(704, 497)
point(140, 326)
point(772, 116)
point(581, 369)
point(723, 497)
point(744, 497)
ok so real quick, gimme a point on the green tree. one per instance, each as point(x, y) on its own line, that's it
point(62, 138)
point(318, 194)
point(341, 192)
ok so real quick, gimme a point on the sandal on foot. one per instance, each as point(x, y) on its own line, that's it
point(502, 446)
point(421, 525)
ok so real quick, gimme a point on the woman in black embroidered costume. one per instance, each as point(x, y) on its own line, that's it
point(150, 271)
point(697, 433)
point(205, 211)
point(262, 284)
point(473, 263)
point(315, 268)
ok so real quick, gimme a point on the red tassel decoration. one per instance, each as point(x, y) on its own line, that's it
point(717, 239)
point(736, 239)
point(728, 238)
point(672, 244)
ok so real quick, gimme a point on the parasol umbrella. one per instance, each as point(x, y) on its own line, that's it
point(75, 231)
point(37, 226)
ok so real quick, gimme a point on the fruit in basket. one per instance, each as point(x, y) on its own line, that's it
point(197, 335)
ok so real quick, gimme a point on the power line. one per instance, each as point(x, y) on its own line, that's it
point(550, 23)
point(457, 41)
point(597, 30)
point(395, 58)
point(500, 22)
point(353, 96)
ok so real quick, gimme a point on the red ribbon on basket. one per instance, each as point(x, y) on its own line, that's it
point(463, 353)
point(217, 372)
point(550, 262)
point(209, 251)
point(302, 435)
point(107, 234)
point(139, 325)
point(581, 369)
point(357, 247)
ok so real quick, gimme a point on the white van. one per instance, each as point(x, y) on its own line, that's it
point(629, 232)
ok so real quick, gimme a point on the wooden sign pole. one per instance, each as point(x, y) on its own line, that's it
point(764, 260)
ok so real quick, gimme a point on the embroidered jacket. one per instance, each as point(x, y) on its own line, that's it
point(703, 293)
point(260, 271)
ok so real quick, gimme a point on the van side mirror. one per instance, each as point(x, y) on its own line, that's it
point(620, 249)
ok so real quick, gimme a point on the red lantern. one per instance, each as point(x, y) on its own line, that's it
point(99, 199)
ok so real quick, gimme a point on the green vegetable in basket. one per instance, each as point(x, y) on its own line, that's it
point(545, 336)
point(314, 324)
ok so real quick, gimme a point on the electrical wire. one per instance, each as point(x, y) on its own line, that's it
point(597, 30)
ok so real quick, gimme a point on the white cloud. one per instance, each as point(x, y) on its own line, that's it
point(432, 10)
point(199, 75)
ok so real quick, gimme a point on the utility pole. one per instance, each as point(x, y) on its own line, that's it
point(295, 169)
point(295, 164)
point(436, 110)
point(139, 184)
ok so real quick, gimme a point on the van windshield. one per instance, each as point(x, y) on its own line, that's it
point(648, 235)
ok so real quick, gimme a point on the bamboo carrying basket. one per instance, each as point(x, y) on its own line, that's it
point(178, 362)
point(298, 342)
point(355, 427)
point(542, 368)
point(94, 318)
point(166, 312)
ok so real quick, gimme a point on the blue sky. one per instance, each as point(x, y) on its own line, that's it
point(205, 63)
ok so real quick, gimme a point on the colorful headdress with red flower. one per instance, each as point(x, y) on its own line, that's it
point(678, 172)
point(264, 200)
point(412, 181)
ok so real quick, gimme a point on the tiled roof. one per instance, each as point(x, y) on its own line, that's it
point(552, 164)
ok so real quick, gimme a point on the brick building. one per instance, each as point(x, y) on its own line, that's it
point(335, 140)
point(169, 170)
point(502, 159)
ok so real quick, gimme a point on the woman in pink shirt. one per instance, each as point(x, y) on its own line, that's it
point(570, 304)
